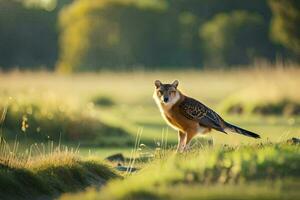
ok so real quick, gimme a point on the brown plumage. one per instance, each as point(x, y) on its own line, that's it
point(189, 116)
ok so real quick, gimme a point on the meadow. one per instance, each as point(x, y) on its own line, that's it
point(99, 114)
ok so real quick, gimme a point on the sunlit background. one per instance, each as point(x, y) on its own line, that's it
point(83, 35)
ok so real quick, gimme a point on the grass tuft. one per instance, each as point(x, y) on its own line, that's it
point(48, 173)
point(104, 101)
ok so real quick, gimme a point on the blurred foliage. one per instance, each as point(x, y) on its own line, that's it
point(28, 37)
point(285, 25)
point(101, 100)
point(122, 34)
point(44, 4)
point(85, 35)
point(228, 38)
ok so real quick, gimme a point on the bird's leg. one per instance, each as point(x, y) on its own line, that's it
point(181, 141)
point(190, 136)
point(188, 140)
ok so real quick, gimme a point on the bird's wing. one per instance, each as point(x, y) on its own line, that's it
point(196, 111)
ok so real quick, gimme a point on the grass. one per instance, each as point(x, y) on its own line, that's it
point(227, 192)
point(101, 100)
point(100, 114)
point(43, 118)
point(71, 104)
point(45, 171)
point(265, 171)
point(237, 104)
point(272, 93)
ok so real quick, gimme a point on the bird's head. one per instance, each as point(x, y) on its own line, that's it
point(166, 94)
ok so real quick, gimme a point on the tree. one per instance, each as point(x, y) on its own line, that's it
point(234, 38)
point(28, 36)
point(116, 34)
point(285, 24)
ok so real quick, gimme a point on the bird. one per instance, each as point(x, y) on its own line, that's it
point(189, 116)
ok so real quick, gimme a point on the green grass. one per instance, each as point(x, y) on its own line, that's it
point(101, 114)
point(103, 152)
point(50, 106)
point(101, 100)
point(238, 105)
point(272, 93)
point(49, 118)
point(47, 172)
point(265, 171)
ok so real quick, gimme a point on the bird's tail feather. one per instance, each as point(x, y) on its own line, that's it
point(239, 130)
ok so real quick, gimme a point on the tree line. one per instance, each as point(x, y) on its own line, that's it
point(85, 35)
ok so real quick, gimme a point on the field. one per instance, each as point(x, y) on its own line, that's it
point(100, 114)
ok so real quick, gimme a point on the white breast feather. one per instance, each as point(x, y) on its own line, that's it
point(167, 107)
